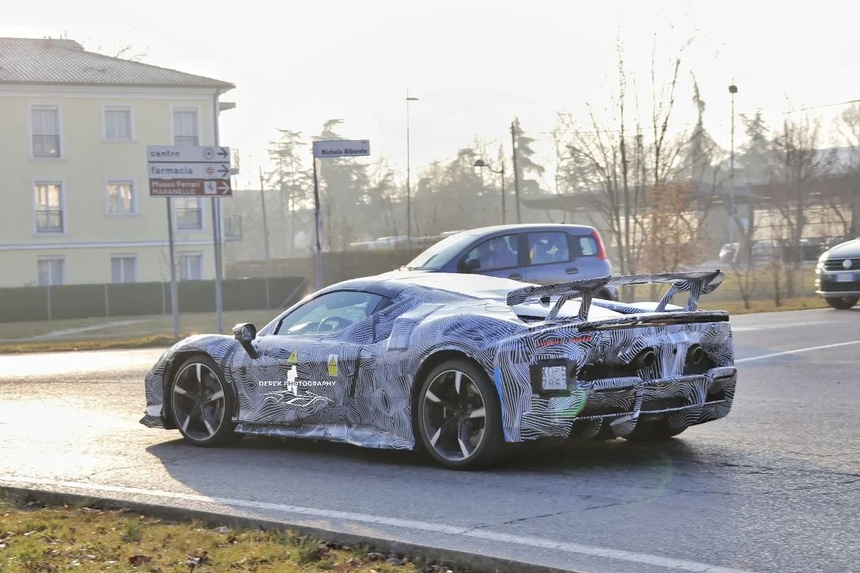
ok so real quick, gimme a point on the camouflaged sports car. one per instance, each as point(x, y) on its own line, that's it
point(456, 365)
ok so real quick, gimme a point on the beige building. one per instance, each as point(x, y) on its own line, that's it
point(74, 188)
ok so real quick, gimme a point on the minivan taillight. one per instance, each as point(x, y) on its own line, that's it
point(601, 250)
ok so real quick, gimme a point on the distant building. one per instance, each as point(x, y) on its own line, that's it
point(74, 190)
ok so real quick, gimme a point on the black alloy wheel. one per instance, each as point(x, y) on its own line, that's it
point(458, 415)
point(201, 403)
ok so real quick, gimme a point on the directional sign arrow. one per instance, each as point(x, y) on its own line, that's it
point(224, 187)
point(224, 151)
point(224, 170)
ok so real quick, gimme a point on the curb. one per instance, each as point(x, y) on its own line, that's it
point(457, 561)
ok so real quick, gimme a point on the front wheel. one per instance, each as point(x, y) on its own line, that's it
point(201, 403)
point(842, 302)
point(458, 416)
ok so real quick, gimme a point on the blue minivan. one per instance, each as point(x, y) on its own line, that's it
point(531, 252)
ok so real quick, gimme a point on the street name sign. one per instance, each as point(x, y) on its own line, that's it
point(342, 148)
point(179, 170)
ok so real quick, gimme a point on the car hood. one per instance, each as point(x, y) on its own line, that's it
point(848, 249)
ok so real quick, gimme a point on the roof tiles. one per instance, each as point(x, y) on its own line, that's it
point(66, 62)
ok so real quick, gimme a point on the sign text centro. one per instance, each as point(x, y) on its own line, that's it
point(342, 148)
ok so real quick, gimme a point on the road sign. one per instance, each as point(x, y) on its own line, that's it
point(189, 170)
point(179, 170)
point(188, 187)
point(342, 148)
point(187, 154)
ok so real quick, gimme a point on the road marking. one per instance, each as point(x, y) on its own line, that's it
point(68, 331)
point(537, 542)
point(772, 326)
point(797, 351)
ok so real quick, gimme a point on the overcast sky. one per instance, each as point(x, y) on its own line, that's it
point(473, 64)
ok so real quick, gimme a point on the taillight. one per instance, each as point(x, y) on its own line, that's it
point(601, 250)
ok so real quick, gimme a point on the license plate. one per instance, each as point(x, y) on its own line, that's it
point(845, 277)
point(553, 378)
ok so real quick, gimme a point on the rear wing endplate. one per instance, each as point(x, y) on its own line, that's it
point(696, 283)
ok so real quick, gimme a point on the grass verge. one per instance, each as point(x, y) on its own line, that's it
point(38, 537)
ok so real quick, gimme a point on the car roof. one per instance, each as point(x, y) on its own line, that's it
point(491, 229)
point(392, 283)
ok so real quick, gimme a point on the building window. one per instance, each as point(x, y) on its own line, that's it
point(190, 266)
point(48, 201)
point(117, 123)
point(45, 126)
point(189, 213)
point(123, 268)
point(52, 271)
point(185, 127)
point(120, 198)
point(233, 227)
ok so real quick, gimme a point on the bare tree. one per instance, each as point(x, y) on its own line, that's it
point(845, 205)
point(802, 165)
point(631, 159)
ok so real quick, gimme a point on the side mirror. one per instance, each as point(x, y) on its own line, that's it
point(245, 333)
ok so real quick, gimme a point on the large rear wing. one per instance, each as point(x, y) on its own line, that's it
point(696, 283)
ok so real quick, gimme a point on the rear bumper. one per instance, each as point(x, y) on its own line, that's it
point(620, 403)
point(685, 400)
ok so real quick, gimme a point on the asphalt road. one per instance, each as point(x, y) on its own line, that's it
point(774, 487)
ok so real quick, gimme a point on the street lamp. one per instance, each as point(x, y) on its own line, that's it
point(482, 164)
point(408, 176)
point(733, 89)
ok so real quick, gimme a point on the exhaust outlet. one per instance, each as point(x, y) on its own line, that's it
point(695, 354)
point(645, 359)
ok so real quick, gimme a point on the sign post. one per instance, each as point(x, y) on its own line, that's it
point(183, 171)
point(322, 150)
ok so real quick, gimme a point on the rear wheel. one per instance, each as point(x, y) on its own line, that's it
point(201, 403)
point(652, 431)
point(842, 302)
point(458, 416)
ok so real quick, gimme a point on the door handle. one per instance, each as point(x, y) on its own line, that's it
point(516, 276)
point(571, 271)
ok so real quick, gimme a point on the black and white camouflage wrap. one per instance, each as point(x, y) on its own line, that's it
point(358, 385)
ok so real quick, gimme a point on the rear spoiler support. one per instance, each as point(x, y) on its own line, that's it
point(696, 283)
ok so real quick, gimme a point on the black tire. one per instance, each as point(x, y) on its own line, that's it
point(201, 403)
point(459, 421)
point(652, 431)
point(842, 302)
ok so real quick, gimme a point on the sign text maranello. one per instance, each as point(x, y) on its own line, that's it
point(182, 187)
point(176, 170)
point(342, 148)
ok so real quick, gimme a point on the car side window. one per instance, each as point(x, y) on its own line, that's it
point(548, 247)
point(586, 245)
point(329, 313)
point(496, 253)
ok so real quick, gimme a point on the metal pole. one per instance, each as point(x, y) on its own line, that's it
point(317, 227)
point(516, 173)
point(216, 227)
point(504, 211)
point(733, 89)
point(174, 291)
point(265, 240)
point(408, 176)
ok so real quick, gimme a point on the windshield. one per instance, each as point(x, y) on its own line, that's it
point(439, 254)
